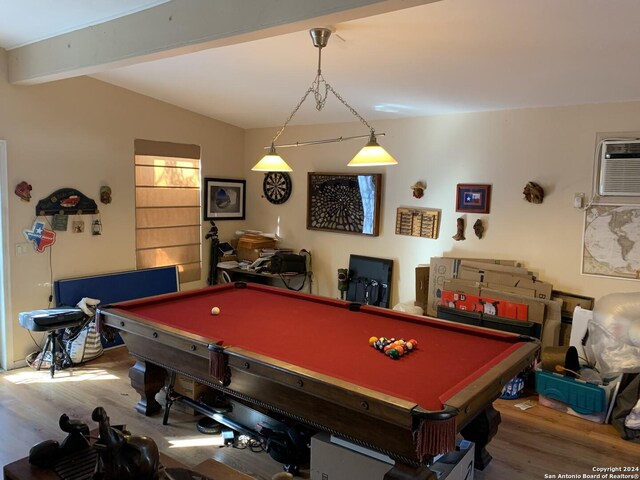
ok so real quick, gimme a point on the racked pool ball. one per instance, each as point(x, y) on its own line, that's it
point(393, 353)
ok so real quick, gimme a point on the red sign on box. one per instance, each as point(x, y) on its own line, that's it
point(489, 306)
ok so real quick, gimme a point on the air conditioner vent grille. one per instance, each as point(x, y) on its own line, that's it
point(620, 169)
point(622, 148)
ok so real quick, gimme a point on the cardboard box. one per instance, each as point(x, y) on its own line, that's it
point(536, 307)
point(190, 388)
point(552, 323)
point(504, 275)
point(463, 286)
point(525, 292)
point(345, 461)
point(193, 390)
point(335, 459)
point(447, 268)
point(500, 278)
point(485, 305)
point(250, 246)
point(456, 465)
point(495, 267)
point(422, 286)
point(543, 289)
point(441, 269)
point(546, 312)
point(570, 301)
point(470, 274)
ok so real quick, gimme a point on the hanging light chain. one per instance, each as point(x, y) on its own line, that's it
point(321, 99)
point(351, 109)
point(304, 97)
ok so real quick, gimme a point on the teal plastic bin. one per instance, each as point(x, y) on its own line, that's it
point(584, 398)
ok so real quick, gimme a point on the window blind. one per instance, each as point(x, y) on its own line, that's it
point(168, 228)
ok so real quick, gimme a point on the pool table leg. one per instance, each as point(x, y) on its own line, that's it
point(480, 431)
point(147, 379)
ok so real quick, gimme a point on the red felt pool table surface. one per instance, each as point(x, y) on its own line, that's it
point(325, 336)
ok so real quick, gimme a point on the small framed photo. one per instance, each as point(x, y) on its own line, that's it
point(473, 198)
point(224, 199)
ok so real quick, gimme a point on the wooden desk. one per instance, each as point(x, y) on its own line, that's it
point(23, 470)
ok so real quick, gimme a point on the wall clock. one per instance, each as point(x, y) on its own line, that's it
point(277, 187)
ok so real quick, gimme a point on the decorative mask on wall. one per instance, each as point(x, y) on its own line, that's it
point(478, 227)
point(418, 189)
point(533, 193)
point(105, 195)
point(23, 190)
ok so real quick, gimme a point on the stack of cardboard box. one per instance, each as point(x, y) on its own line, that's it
point(504, 280)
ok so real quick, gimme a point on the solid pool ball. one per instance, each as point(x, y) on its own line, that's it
point(215, 311)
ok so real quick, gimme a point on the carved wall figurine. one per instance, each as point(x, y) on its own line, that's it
point(23, 190)
point(105, 194)
point(533, 193)
point(478, 227)
point(460, 229)
point(418, 189)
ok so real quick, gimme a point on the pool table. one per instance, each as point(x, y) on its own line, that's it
point(308, 358)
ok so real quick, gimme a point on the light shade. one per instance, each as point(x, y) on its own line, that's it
point(372, 155)
point(272, 162)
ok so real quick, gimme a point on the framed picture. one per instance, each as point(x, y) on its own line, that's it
point(472, 198)
point(344, 203)
point(224, 199)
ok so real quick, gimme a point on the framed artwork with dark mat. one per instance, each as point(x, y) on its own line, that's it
point(344, 203)
point(224, 199)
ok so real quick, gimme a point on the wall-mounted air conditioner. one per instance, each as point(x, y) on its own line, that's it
point(619, 172)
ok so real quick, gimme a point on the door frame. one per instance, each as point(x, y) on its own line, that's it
point(6, 325)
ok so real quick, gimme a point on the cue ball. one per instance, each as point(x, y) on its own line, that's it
point(215, 311)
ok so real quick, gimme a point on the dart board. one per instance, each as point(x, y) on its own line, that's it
point(277, 187)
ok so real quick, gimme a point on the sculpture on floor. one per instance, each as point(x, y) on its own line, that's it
point(45, 454)
point(123, 456)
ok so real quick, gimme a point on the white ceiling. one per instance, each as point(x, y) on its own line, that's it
point(446, 57)
point(27, 21)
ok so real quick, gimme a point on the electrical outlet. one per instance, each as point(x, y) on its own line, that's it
point(23, 248)
point(578, 200)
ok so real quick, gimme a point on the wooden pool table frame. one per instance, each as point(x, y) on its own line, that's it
point(367, 417)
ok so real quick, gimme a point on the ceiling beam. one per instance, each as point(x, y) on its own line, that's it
point(179, 27)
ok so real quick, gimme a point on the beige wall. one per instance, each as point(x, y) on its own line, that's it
point(79, 133)
point(551, 146)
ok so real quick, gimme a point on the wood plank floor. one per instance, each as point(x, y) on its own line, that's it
point(529, 444)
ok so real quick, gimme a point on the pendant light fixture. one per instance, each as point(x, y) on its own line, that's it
point(371, 155)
